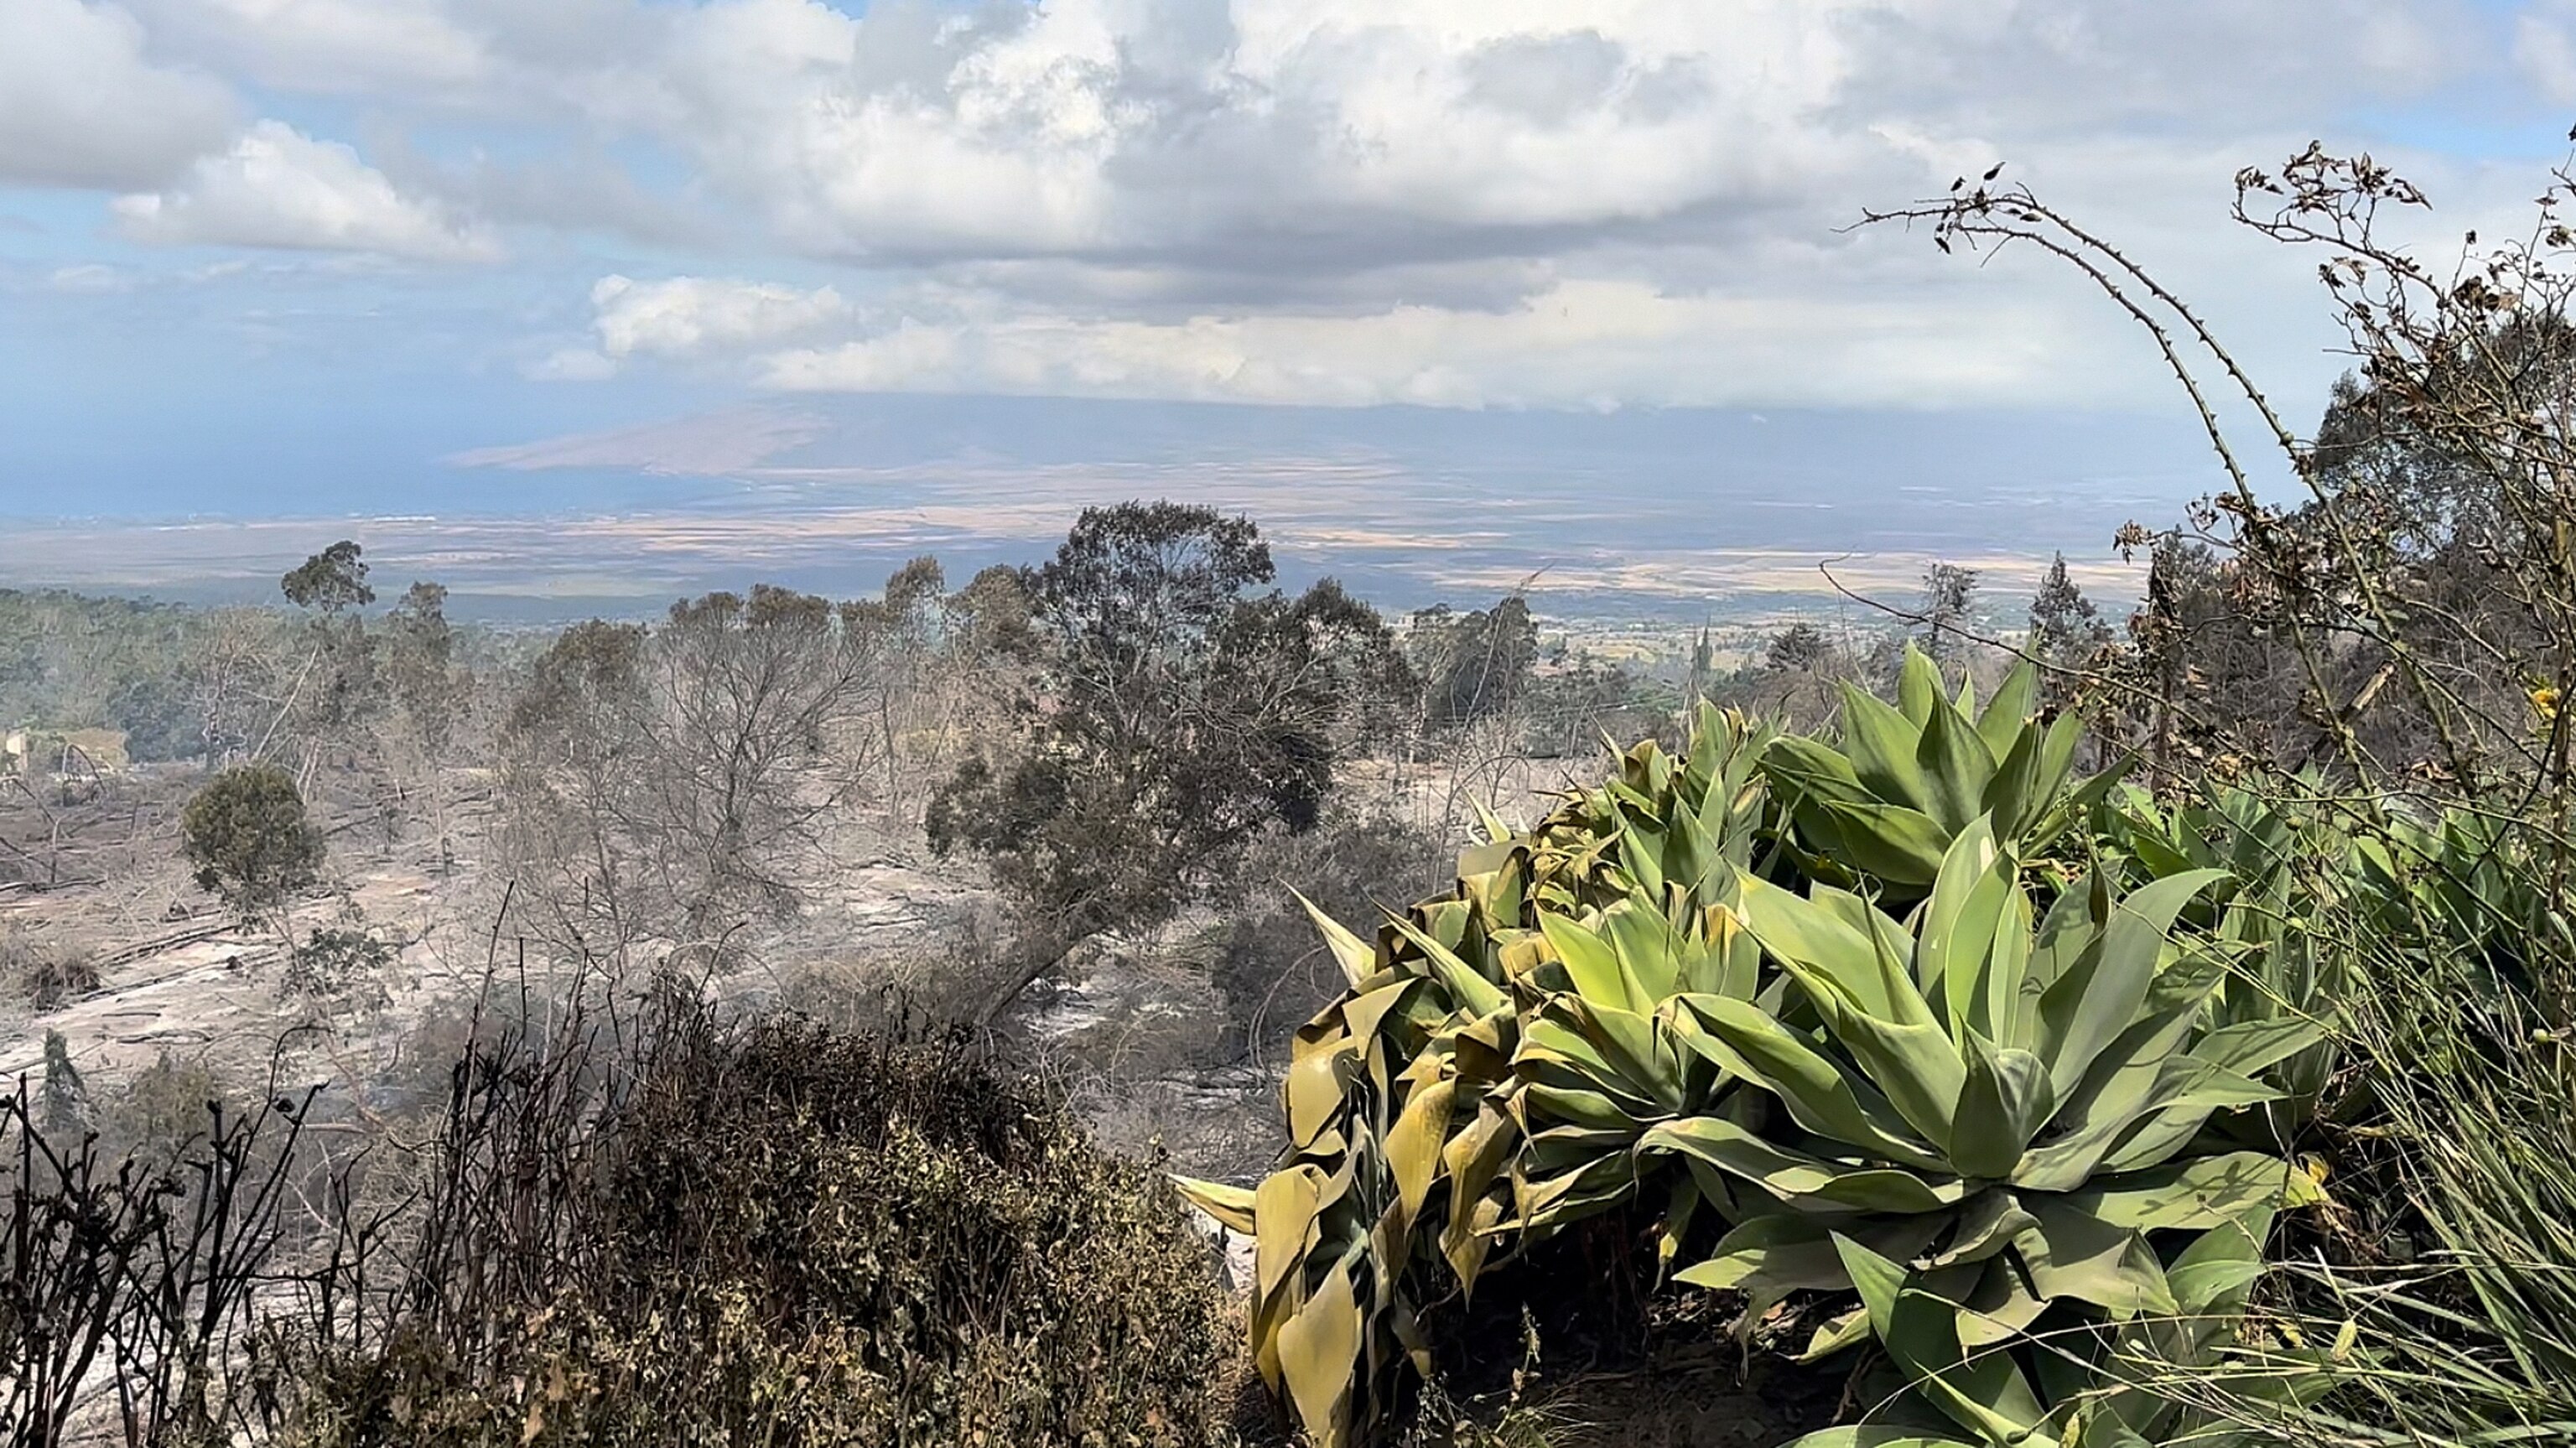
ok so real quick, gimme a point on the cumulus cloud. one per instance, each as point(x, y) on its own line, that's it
point(277, 187)
point(1478, 202)
point(82, 105)
point(689, 316)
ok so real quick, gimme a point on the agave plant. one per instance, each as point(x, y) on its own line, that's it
point(1681, 988)
point(1992, 1128)
point(2283, 875)
point(1486, 1075)
point(1885, 808)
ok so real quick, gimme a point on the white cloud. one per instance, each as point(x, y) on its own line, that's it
point(1582, 344)
point(690, 316)
point(329, 45)
point(81, 104)
point(89, 277)
point(1474, 201)
point(277, 187)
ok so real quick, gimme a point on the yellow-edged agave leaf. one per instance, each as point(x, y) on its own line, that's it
point(1228, 1205)
point(1319, 1356)
point(1413, 1146)
point(1316, 1085)
point(1356, 957)
point(1476, 1159)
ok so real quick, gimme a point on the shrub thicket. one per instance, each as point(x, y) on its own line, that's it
point(651, 1227)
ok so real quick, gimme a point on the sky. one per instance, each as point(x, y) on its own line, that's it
point(1573, 281)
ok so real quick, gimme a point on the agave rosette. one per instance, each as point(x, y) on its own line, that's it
point(1993, 1127)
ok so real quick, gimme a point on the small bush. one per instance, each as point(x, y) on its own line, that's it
point(344, 967)
point(47, 974)
point(247, 836)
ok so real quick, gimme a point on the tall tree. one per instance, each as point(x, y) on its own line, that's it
point(2066, 631)
point(1948, 611)
point(668, 788)
point(1173, 708)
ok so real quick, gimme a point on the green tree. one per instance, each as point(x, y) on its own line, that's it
point(2066, 632)
point(420, 666)
point(1475, 665)
point(250, 840)
point(1797, 649)
point(1948, 612)
point(1172, 710)
point(331, 581)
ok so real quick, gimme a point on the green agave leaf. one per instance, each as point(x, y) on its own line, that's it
point(2098, 998)
point(1467, 985)
point(1897, 844)
point(2197, 1194)
point(1986, 1394)
point(2003, 1103)
point(1648, 952)
point(1867, 1437)
point(1905, 1055)
point(1960, 921)
point(2006, 719)
point(2249, 1047)
point(1918, 686)
point(1795, 1176)
point(1885, 750)
point(2015, 795)
point(1996, 1308)
point(2071, 1253)
point(1767, 1259)
point(1956, 769)
point(1812, 769)
point(1820, 1095)
point(1591, 962)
